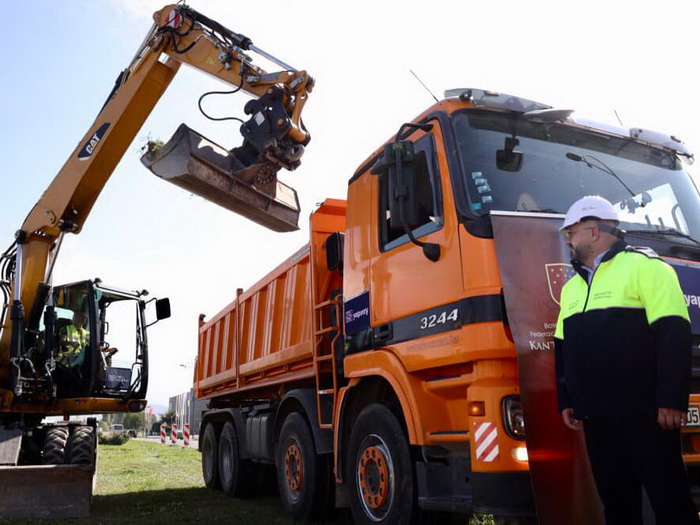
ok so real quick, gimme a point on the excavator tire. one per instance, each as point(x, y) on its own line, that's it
point(82, 446)
point(55, 446)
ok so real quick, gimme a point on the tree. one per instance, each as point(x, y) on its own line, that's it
point(134, 420)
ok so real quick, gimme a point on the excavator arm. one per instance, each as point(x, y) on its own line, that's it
point(243, 179)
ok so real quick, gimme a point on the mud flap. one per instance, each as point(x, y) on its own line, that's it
point(204, 168)
point(46, 491)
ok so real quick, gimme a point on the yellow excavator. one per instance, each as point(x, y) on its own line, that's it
point(55, 358)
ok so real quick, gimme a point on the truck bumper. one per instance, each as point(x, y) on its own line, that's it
point(503, 493)
point(446, 483)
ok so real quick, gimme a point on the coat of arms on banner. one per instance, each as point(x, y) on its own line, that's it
point(557, 275)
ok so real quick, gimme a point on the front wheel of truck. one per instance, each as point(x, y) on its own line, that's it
point(379, 470)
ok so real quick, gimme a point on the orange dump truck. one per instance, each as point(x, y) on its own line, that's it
point(391, 363)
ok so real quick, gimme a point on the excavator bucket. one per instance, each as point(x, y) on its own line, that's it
point(46, 491)
point(204, 168)
point(41, 491)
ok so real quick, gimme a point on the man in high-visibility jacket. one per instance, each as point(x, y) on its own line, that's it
point(623, 362)
point(73, 341)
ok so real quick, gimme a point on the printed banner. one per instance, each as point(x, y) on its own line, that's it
point(534, 265)
point(689, 277)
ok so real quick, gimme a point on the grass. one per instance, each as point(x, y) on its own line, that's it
point(142, 482)
point(148, 483)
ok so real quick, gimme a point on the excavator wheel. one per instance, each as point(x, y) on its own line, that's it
point(55, 446)
point(82, 446)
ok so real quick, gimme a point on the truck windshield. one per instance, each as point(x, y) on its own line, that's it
point(510, 163)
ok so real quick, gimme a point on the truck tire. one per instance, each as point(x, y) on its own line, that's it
point(82, 446)
point(55, 446)
point(303, 477)
point(210, 457)
point(234, 473)
point(379, 470)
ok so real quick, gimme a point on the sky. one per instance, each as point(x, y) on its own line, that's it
point(632, 60)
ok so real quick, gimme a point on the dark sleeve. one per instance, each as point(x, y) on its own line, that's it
point(563, 399)
point(673, 357)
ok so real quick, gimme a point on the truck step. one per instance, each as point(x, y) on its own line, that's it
point(204, 168)
point(460, 504)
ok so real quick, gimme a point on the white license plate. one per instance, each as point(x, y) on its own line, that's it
point(693, 416)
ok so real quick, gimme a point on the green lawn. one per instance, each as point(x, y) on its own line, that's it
point(143, 482)
point(149, 483)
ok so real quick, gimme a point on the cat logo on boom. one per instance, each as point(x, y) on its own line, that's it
point(92, 143)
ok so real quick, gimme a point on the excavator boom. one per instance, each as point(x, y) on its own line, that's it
point(35, 378)
point(243, 179)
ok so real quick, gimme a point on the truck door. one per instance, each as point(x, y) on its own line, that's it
point(412, 296)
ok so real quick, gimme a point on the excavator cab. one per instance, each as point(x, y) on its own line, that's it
point(92, 342)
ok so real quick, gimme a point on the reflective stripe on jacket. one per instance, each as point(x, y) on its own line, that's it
point(73, 340)
point(623, 344)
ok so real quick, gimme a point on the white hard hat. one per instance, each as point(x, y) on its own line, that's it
point(590, 206)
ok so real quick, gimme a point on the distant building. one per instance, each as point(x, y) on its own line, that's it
point(187, 409)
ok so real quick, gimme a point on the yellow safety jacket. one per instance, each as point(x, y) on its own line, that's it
point(623, 343)
point(72, 343)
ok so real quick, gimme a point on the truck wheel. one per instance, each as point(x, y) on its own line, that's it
point(55, 446)
point(82, 446)
point(379, 469)
point(210, 457)
point(302, 476)
point(234, 472)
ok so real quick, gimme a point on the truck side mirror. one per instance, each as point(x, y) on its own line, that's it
point(403, 168)
point(408, 184)
point(162, 309)
point(334, 251)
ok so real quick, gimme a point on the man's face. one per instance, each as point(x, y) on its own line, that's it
point(579, 240)
point(79, 320)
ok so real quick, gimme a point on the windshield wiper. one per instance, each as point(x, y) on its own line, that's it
point(669, 231)
point(599, 164)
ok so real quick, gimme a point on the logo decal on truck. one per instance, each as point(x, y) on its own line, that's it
point(357, 313)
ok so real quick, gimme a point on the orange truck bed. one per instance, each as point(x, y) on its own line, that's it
point(265, 337)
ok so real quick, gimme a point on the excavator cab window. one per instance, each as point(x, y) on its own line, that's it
point(121, 342)
point(427, 198)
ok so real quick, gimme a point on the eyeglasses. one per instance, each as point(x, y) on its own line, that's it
point(569, 233)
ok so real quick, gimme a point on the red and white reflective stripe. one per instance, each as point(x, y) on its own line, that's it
point(186, 435)
point(173, 435)
point(162, 434)
point(174, 19)
point(486, 438)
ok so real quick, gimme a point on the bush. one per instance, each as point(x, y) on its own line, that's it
point(113, 439)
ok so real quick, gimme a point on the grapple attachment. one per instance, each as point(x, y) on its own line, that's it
point(226, 178)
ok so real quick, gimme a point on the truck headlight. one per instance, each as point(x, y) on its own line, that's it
point(513, 420)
